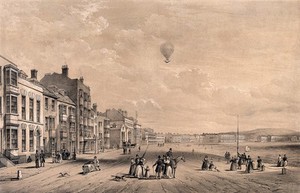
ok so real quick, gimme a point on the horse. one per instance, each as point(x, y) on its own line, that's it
point(174, 162)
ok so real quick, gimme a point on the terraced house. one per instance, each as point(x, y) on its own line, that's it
point(79, 93)
point(23, 126)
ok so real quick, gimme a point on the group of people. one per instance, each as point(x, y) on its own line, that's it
point(40, 159)
point(243, 159)
point(61, 155)
point(208, 165)
point(282, 161)
point(162, 169)
point(137, 167)
point(164, 165)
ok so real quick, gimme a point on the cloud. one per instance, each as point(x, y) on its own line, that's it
point(191, 81)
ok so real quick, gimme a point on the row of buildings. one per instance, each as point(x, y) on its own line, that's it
point(216, 138)
point(56, 113)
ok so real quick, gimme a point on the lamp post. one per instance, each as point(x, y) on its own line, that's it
point(237, 136)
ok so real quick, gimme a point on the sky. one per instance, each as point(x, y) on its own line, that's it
point(230, 57)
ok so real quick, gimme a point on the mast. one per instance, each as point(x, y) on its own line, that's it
point(237, 135)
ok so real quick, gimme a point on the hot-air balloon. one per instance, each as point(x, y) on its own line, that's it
point(167, 50)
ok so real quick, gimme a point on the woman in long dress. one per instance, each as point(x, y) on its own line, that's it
point(140, 169)
point(233, 165)
point(132, 167)
point(169, 173)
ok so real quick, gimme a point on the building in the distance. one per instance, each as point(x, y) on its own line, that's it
point(65, 130)
point(121, 127)
point(102, 124)
point(79, 93)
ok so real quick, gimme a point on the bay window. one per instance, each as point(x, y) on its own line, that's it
point(11, 104)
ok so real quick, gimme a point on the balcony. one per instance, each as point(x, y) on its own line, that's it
point(12, 89)
point(11, 119)
point(106, 135)
point(63, 134)
point(89, 137)
point(72, 118)
point(63, 117)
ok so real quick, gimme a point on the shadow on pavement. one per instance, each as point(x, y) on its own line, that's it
point(28, 167)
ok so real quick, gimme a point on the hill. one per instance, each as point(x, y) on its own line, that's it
point(270, 131)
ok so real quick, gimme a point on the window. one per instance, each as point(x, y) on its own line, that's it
point(30, 109)
point(31, 141)
point(64, 109)
point(14, 78)
point(71, 111)
point(63, 123)
point(12, 138)
point(11, 104)
point(24, 107)
point(0, 74)
point(38, 111)
point(46, 124)
point(53, 105)
point(46, 104)
point(8, 104)
point(85, 96)
point(23, 140)
point(8, 138)
point(0, 103)
point(14, 104)
point(51, 123)
point(11, 77)
point(72, 127)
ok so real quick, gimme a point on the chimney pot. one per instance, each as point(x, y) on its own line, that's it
point(81, 79)
point(34, 74)
point(65, 70)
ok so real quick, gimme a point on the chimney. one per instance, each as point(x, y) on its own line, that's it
point(65, 70)
point(81, 79)
point(34, 74)
point(95, 107)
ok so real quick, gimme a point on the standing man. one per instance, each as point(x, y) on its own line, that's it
point(159, 167)
point(37, 159)
point(42, 158)
point(259, 163)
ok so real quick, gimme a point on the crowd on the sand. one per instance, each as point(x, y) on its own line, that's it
point(163, 166)
point(236, 162)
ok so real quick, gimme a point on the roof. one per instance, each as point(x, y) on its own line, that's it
point(62, 97)
point(46, 91)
